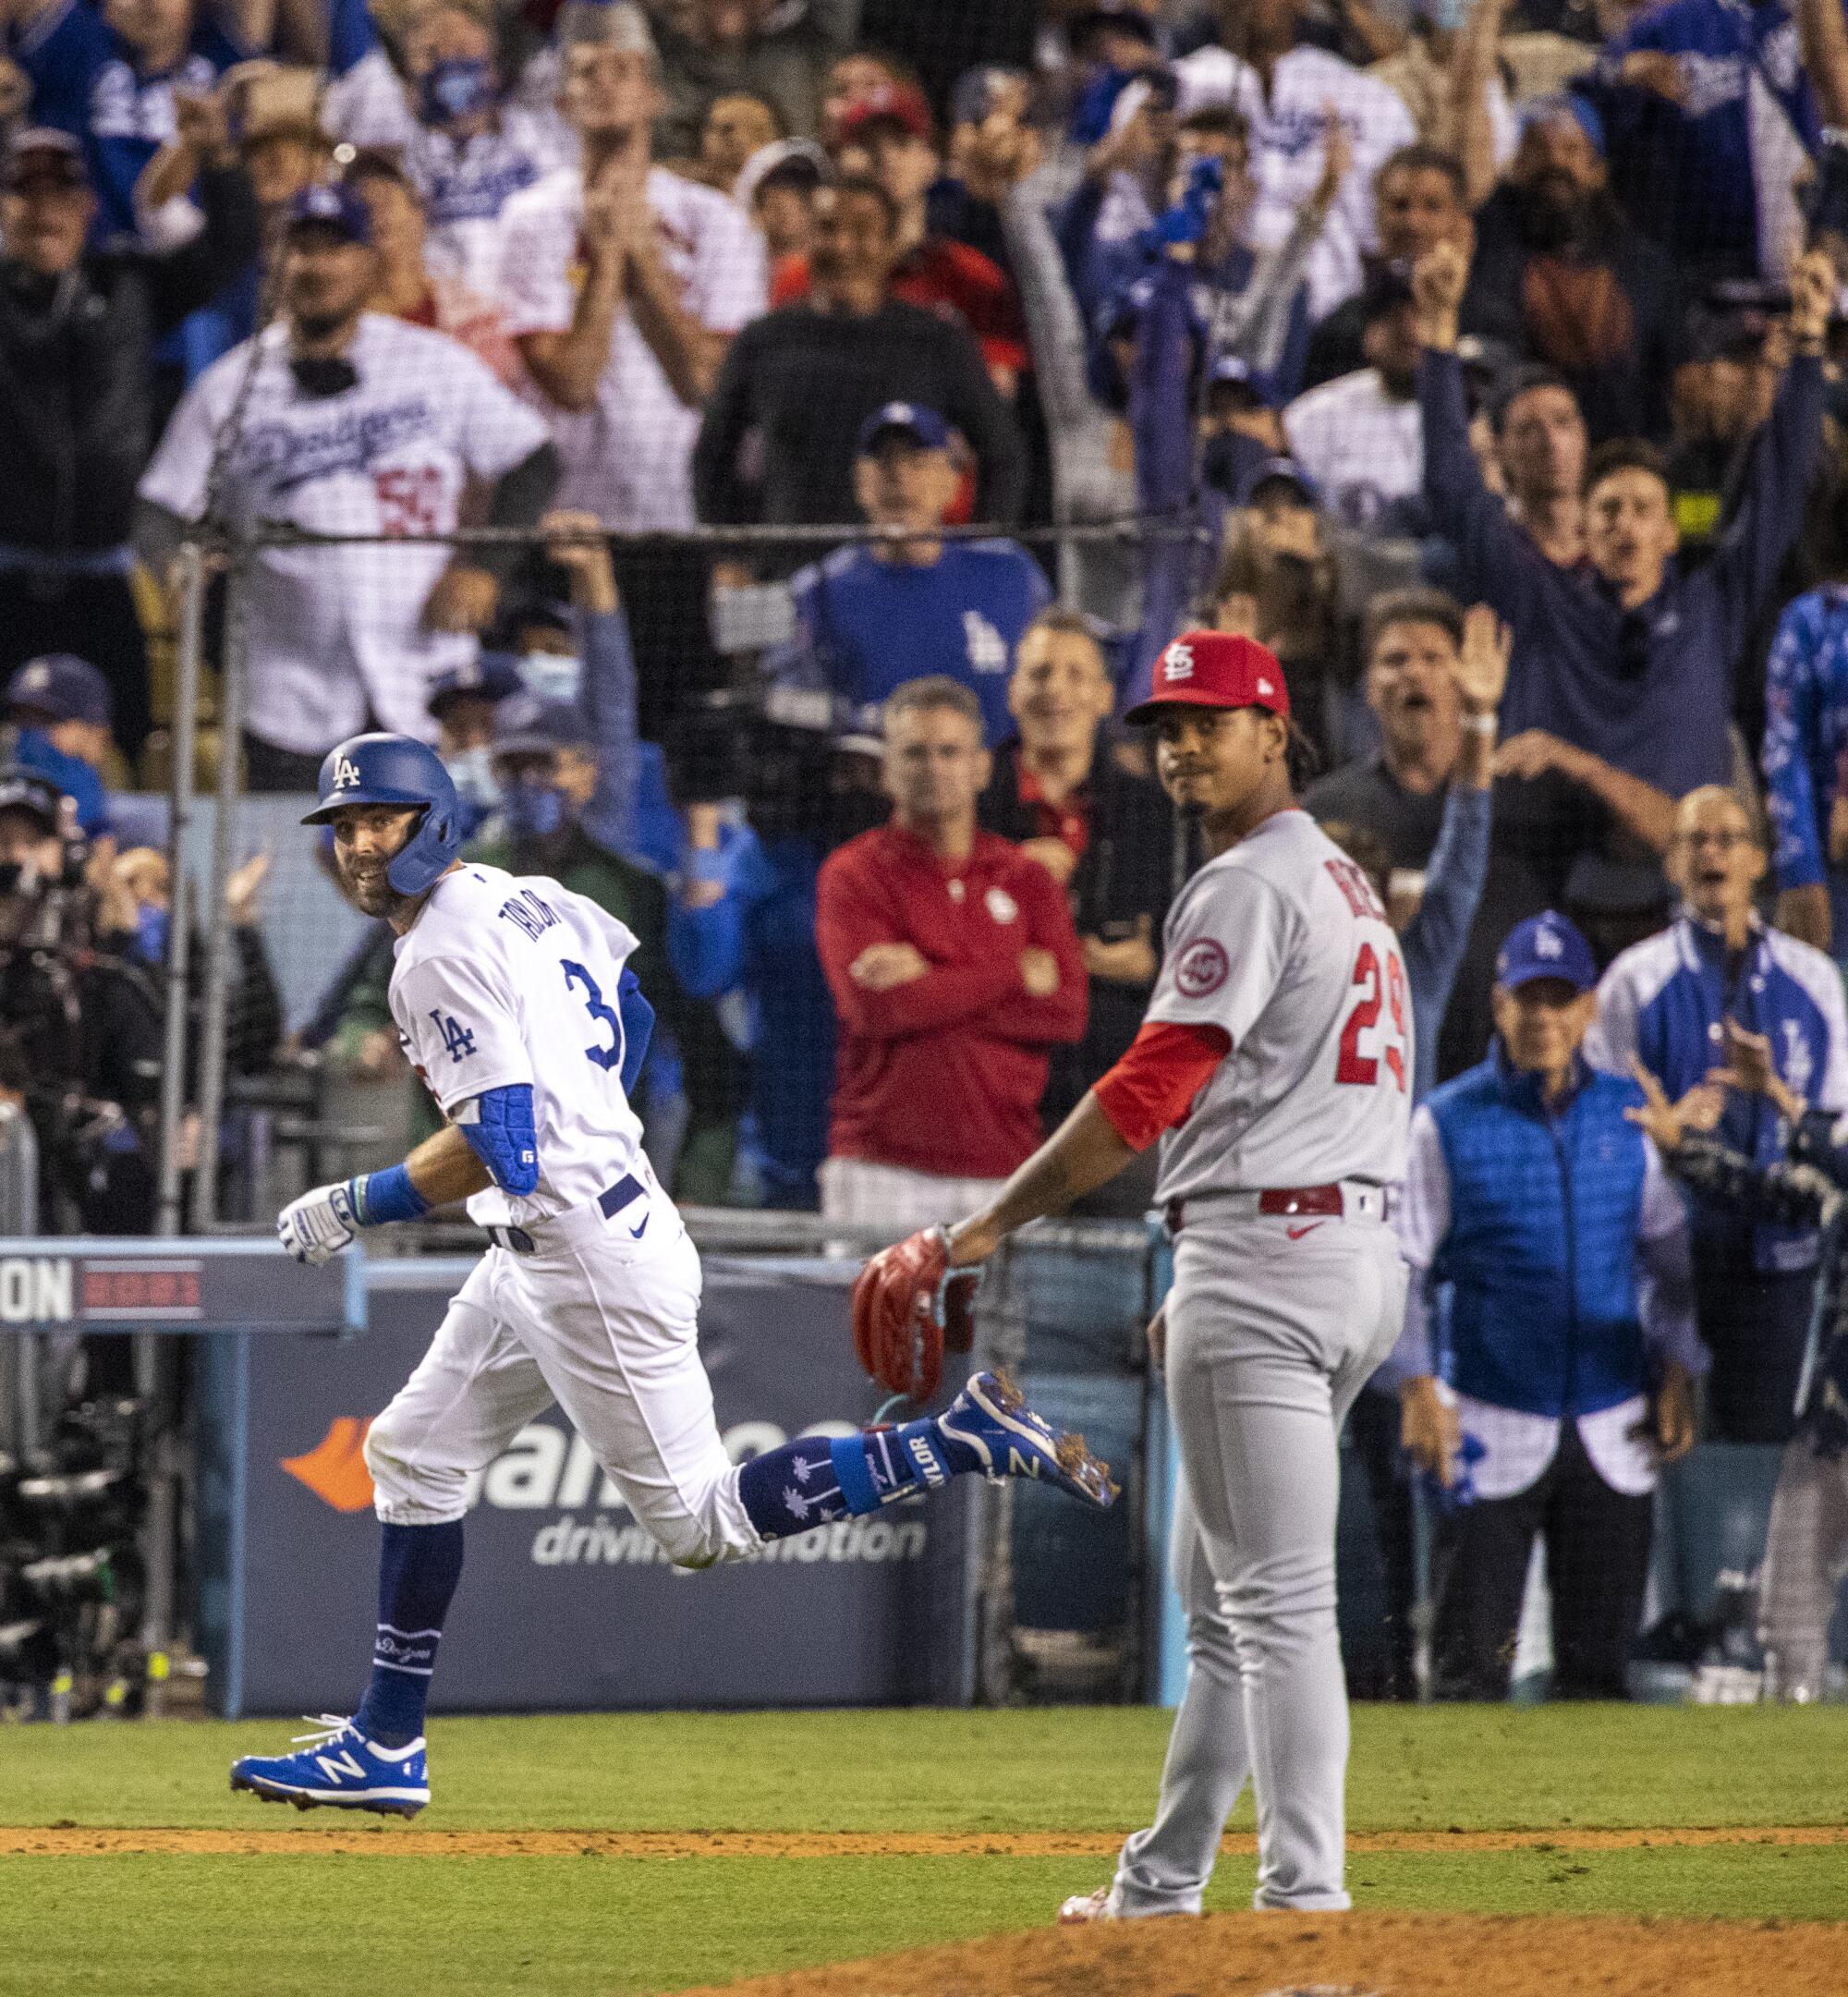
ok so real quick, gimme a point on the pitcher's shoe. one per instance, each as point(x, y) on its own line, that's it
point(992, 1415)
point(1085, 1906)
point(339, 1766)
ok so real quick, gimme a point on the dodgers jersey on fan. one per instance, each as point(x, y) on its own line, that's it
point(1282, 942)
point(333, 630)
point(505, 980)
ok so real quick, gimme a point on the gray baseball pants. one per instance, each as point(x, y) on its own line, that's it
point(1805, 1559)
point(1273, 1327)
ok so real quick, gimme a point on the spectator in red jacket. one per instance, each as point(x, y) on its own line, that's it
point(955, 970)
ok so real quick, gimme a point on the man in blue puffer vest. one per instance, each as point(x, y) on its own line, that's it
point(1550, 1319)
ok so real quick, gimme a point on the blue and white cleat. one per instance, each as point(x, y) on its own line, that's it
point(992, 1415)
point(340, 1768)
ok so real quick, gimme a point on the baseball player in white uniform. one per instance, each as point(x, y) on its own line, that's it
point(351, 423)
point(1274, 1066)
point(515, 1001)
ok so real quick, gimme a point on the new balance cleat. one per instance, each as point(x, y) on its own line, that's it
point(339, 1768)
point(992, 1415)
point(1085, 1908)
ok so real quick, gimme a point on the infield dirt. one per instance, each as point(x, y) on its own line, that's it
point(1351, 1956)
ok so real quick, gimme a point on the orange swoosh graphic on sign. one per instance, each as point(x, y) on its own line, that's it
point(335, 1470)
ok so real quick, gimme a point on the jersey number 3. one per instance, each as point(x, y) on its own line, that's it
point(1361, 1069)
point(612, 1056)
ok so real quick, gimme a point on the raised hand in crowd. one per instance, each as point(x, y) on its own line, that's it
point(464, 599)
point(1003, 149)
point(244, 889)
point(580, 546)
point(1750, 1069)
point(1440, 278)
point(1657, 72)
point(1667, 1124)
point(1481, 669)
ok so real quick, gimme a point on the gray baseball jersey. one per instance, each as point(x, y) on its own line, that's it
point(1283, 942)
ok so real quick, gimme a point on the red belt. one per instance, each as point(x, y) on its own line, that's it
point(1291, 1199)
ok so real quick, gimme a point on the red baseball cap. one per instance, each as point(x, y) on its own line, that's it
point(903, 104)
point(1214, 669)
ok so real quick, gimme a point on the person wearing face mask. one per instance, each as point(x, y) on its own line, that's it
point(466, 146)
point(462, 704)
point(1567, 282)
point(546, 764)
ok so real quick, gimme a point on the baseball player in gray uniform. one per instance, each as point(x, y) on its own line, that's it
point(1273, 1066)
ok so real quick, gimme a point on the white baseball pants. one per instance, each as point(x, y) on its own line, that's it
point(1269, 1339)
point(604, 1323)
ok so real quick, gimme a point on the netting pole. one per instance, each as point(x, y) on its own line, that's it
point(181, 799)
point(212, 1035)
point(152, 1360)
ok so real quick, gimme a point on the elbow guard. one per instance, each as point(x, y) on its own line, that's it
point(500, 1131)
point(638, 1018)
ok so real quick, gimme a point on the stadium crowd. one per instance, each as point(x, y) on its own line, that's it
point(860, 394)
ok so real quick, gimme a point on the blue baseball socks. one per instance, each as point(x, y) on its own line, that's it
point(818, 1478)
point(418, 1567)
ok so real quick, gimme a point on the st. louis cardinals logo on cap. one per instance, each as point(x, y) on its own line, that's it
point(1221, 669)
point(346, 773)
point(1201, 967)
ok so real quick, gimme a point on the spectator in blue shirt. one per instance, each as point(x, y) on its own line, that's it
point(1710, 116)
point(61, 710)
point(1667, 1003)
point(1631, 657)
point(1537, 1219)
point(742, 918)
point(110, 74)
point(1806, 738)
point(869, 618)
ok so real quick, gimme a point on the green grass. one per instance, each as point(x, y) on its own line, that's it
point(606, 1926)
point(1413, 1768)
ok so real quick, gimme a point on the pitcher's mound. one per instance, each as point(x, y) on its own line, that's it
point(1355, 1955)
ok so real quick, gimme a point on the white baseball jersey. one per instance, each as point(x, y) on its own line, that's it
point(1363, 446)
point(506, 978)
point(1283, 942)
point(1287, 148)
point(628, 460)
point(332, 629)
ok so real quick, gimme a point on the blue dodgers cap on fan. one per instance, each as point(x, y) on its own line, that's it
point(330, 207)
point(908, 419)
point(63, 685)
point(1545, 947)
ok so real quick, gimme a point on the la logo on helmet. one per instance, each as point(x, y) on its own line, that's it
point(346, 774)
point(1178, 662)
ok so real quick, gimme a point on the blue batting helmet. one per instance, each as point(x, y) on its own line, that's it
point(397, 770)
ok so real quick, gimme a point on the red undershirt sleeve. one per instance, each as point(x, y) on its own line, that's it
point(1152, 1089)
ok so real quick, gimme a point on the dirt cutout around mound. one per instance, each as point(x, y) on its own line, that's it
point(1353, 1955)
point(347, 1834)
